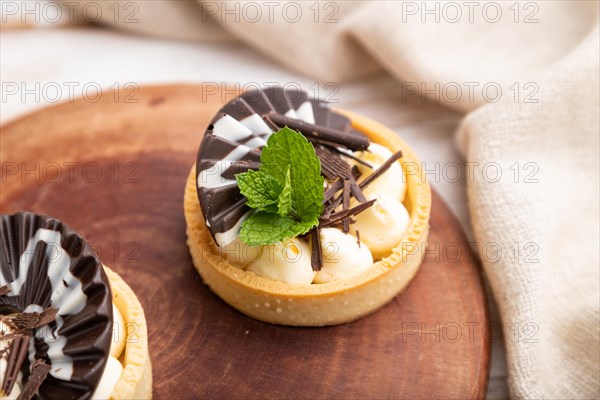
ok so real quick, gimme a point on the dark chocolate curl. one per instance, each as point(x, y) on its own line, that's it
point(316, 257)
point(333, 189)
point(379, 171)
point(376, 174)
point(16, 356)
point(353, 142)
point(346, 205)
point(332, 164)
point(339, 216)
point(38, 376)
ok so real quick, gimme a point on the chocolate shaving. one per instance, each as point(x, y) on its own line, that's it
point(333, 189)
point(374, 175)
point(25, 321)
point(339, 216)
point(335, 147)
point(358, 238)
point(338, 200)
point(346, 205)
point(323, 142)
point(38, 375)
point(316, 257)
point(379, 171)
point(353, 142)
point(272, 124)
point(353, 157)
point(4, 290)
point(331, 207)
point(30, 321)
point(339, 224)
point(8, 336)
point(16, 356)
point(47, 316)
point(356, 191)
point(332, 164)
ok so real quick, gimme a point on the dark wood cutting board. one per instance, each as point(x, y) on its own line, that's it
point(115, 170)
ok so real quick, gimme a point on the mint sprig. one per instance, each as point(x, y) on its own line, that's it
point(261, 190)
point(286, 191)
point(284, 202)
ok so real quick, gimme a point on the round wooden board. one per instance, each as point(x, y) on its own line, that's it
point(115, 170)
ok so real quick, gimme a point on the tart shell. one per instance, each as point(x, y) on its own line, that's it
point(319, 304)
point(136, 380)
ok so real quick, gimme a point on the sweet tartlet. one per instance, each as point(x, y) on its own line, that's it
point(373, 218)
point(70, 327)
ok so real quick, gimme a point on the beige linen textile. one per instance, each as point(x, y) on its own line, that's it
point(547, 290)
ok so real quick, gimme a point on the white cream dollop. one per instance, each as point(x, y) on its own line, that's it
point(110, 377)
point(239, 254)
point(117, 343)
point(381, 226)
point(343, 257)
point(287, 261)
point(392, 182)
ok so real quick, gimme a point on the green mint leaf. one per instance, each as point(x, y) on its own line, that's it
point(260, 189)
point(286, 191)
point(288, 148)
point(284, 203)
point(263, 228)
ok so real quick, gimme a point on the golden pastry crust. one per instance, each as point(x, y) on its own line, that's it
point(136, 379)
point(319, 304)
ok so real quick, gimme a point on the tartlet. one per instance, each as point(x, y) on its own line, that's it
point(71, 327)
point(320, 304)
point(136, 380)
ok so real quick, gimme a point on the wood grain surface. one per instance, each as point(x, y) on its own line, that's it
point(115, 170)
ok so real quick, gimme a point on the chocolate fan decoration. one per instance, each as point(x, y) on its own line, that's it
point(55, 295)
point(234, 140)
